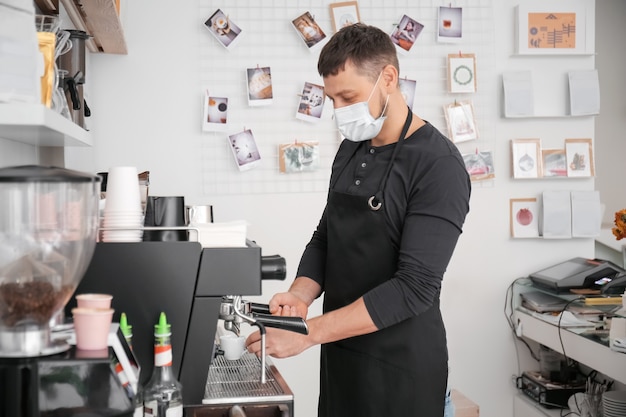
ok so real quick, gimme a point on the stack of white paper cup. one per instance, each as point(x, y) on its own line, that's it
point(123, 217)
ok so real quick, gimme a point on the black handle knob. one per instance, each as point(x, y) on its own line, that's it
point(293, 324)
point(273, 267)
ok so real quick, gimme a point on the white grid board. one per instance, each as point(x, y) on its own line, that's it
point(268, 39)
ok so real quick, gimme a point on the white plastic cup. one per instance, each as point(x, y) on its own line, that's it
point(91, 327)
point(123, 194)
point(92, 300)
point(233, 346)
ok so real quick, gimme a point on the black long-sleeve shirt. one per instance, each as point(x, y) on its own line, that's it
point(426, 200)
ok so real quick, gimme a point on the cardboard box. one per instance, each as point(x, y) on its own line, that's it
point(464, 407)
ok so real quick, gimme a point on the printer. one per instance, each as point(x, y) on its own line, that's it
point(580, 273)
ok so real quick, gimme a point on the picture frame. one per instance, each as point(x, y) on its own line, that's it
point(215, 113)
point(221, 26)
point(310, 32)
point(259, 86)
point(311, 103)
point(343, 14)
point(554, 163)
point(405, 34)
point(450, 24)
point(462, 73)
point(461, 121)
point(245, 150)
point(298, 157)
point(479, 165)
point(524, 217)
point(526, 158)
point(554, 28)
point(579, 154)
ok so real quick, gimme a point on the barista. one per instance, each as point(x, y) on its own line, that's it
point(398, 197)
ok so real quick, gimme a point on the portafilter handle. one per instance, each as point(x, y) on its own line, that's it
point(261, 313)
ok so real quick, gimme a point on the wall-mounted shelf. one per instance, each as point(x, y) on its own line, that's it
point(100, 19)
point(35, 124)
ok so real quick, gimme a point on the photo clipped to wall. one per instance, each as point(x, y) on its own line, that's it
point(311, 103)
point(308, 29)
point(259, 85)
point(215, 113)
point(407, 89)
point(462, 73)
point(245, 150)
point(223, 29)
point(461, 121)
point(406, 33)
point(298, 156)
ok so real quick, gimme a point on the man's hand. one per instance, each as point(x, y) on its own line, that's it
point(288, 304)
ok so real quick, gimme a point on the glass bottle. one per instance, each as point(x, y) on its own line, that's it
point(163, 394)
point(127, 331)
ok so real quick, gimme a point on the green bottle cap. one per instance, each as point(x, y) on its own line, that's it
point(127, 329)
point(162, 328)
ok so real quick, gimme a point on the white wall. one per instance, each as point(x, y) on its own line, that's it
point(611, 122)
point(145, 114)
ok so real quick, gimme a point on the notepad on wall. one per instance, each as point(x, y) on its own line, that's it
point(586, 213)
point(584, 92)
point(518, 94)
point(557, 215)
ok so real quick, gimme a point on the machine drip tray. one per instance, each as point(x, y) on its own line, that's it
point(239, 382)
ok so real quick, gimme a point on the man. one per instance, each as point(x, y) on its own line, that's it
point(398, 197)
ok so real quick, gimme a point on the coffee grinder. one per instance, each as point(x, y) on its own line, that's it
point(48, 228)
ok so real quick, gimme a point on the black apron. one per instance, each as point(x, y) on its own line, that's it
point(397, 371)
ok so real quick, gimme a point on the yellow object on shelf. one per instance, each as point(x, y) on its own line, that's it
point(603, 300)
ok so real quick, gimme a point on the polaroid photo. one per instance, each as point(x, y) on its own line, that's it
point(450, 24)
point(407, 89)
point(344, 14)
point(479, 165)
point(259, 85)
point(461, 121)
point(311, 103)
point(524, 217)
point(215, 113)
point(298, 157)
point(554, 163)
point(526, 158)
point(223, 29)
point(245, 150)
point(579, 155)
point(406, 33)
point(310, 32)
point(461, 73)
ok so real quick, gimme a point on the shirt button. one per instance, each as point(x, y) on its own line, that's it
point(363, 165)
point(357, 182)
point(372, 150)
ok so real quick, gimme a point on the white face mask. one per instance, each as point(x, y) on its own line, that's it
point(355, 121)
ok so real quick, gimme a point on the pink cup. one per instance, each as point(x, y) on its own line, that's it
point(91, 327)
point(94, 300)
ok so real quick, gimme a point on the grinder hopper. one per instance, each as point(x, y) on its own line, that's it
point(48, 229)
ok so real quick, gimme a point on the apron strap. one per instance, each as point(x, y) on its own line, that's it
point(375, 202)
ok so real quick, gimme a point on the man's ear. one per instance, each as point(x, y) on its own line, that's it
point(389, 77)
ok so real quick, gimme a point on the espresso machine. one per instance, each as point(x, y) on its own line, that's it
point(48, 227)
point(193, 286)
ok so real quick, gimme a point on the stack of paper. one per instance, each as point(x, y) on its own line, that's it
point(220, 235)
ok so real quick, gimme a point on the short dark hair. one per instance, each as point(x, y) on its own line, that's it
point(367, 47)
